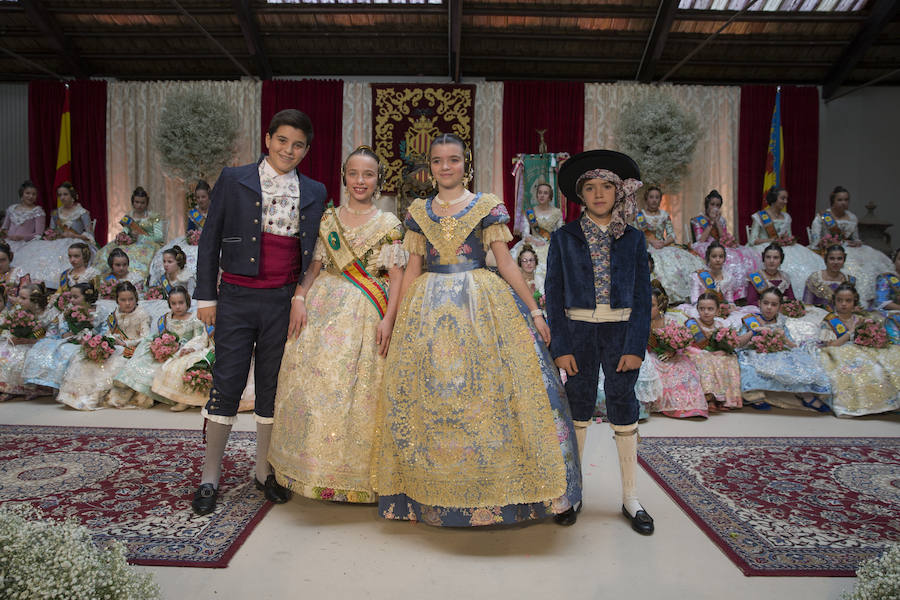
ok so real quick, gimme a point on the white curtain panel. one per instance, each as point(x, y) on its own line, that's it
point(132, 114)
point(715, 161)
point(489, 168)
point(357, 128)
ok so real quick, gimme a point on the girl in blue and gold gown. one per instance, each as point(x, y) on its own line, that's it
point(887, 298)
point(474, 423)
point(147, 229)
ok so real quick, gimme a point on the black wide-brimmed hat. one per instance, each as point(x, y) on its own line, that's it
point(620, 164)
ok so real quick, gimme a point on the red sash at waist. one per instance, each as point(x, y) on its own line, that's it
point(279, 264)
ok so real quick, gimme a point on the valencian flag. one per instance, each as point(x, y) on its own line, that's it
point(64, 154)
point(775, 153)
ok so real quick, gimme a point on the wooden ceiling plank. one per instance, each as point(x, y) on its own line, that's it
point(882, 13)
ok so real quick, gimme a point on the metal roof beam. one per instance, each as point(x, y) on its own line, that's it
point(882, 13)
point(251, 35)
point(665, 16)
point(43, 20)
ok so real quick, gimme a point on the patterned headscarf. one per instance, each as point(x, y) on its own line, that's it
point(625, 208)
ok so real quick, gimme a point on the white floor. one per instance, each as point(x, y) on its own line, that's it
point(308, 549)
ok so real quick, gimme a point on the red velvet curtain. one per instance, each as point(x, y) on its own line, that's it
point(88, 106)
point(800, 125)
point(88, 122)
point(323, 102)
point(45, 104)
point(558, 107)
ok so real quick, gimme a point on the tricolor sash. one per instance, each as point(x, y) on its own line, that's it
point(893, 282)
point(759, 282)
point(126, 221)
point(63, 281)
point(837, 326)
point(700, 339)
point(707, 280)
point(162, 324)
point(197, 218)
point(131, 224)
point(351, 267)
point(111, 277)
point(752, 322)
point(702, 221)
point(535, 226)
point(644, 226)
point(767, 223)
point(115, 329)
point(166, 285)
point(831, 224)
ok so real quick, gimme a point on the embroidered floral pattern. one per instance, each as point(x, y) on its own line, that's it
point(281, 201)
point(599, 243)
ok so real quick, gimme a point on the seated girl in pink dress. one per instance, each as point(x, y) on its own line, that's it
point(24, 221)
point(771, 276)
point(720, 375)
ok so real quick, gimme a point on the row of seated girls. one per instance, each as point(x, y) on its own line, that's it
point(119, 304)
point(825, 359)
point(42, 254)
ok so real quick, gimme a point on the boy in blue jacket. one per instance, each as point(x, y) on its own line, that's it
point(598, 306)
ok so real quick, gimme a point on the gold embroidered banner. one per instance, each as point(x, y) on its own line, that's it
point(405, 118)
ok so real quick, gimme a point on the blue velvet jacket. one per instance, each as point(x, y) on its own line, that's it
point(570, 284)
point(232, 237)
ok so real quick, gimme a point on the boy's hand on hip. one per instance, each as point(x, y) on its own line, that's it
point(629, 362)
point(566, 362)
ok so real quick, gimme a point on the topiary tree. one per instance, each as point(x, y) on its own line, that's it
point(661, 136)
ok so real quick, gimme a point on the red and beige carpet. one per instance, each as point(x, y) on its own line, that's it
point(785, 506)
point(134, 486)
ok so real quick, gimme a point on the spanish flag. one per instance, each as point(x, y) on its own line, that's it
point(775, 153)
point(64, 154)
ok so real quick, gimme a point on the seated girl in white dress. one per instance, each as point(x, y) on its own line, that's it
point(196, 219)
point(174, 272)
point(86, 384)
point(10, 277)
point(79, 255)
point(119, 271)
point(13, 349)
point(543, 219)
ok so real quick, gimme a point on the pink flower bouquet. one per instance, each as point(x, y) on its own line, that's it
point(63, 301)
point(164, 346)
point(50, 234)
point(197, 379)
point(768, 340)
point(793, 308)
point(193, 237)
point(871, 335)
point(97, 348)
point(155, 293)
point(727, 240)
point(829, 239)
point(724, 339)
point(124, 239)
point(107, 289)
point(786, 240)
point(671, 339)
point(78, 318)
point(20, 323)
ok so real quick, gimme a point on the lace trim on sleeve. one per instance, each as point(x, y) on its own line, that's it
point(414, 243)
point(498, 232)
point(392, 255)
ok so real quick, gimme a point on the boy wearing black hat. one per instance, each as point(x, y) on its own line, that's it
point(598, 305)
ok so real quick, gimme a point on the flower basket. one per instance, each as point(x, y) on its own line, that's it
point(769, 340)
point(97, 348)
point(871, 335)
point(793, 309)
point(163, 346)
point(724, 339)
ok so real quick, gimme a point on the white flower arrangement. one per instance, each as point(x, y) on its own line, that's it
point(660, 136)
point(41, 558)
point(878, 578)
point(196, 135)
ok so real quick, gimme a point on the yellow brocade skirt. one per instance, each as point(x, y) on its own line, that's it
point(864, 381)
point(465, 416)
point(325, 405)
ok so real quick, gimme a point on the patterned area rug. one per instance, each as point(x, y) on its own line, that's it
point(134, 486)
point(785, 506)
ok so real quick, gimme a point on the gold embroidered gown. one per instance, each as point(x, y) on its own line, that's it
point(474, 424)
point(330, 378)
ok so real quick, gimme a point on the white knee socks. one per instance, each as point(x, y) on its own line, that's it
point(626, 444)
point(216, 440)
point(581, 428)
point(263, 437)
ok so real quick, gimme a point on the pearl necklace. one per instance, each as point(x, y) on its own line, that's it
point(356, 211)
point(445, 204)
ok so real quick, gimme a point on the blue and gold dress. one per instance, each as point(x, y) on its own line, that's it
point(474, 424)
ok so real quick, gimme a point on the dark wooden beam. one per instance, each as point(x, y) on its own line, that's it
point(665, 16)
point(44, 21)
point(454, 29)
point(882, 13)
point(207, 35)
point(251, 35)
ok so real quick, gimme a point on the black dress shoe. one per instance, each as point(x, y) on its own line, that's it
point(640, 522)
point(274, 491)
point(568, 517)
point(205, 499)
